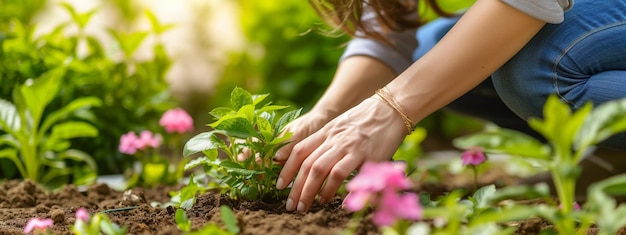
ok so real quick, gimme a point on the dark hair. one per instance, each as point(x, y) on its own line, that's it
point(391, 15)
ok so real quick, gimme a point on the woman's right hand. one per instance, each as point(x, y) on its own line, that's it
point(301, 128)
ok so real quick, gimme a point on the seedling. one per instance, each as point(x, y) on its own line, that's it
point(250, 128)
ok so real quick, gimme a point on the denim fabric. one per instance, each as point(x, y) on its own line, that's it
point(583, 59)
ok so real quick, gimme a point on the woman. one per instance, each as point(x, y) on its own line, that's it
point(530, 48)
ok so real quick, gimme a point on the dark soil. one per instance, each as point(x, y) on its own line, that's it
point(21, 200)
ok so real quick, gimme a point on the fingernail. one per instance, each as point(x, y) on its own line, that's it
point(300, 206)
point(280, 183)
point(322, 200)
point(278, 157)
point(289, 205)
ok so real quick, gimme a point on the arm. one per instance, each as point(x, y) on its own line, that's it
point(487, 35)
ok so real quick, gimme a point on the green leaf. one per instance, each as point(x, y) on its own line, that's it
point(73, 129)
point(236, 168)
point(505, 141)
point(203, 142)
point(229, 219)
point(270, 108)
point(80, 19)
point(483, 194)
point(265, 128)
point(512, 213)
point(247, 111)
point(182, 221)
point(39, 93)
point(605, 121)
point(58, 115)
point(9, 118)
point(219, 112)
point(157, 27)
point(256, 99)
point(128, 42)
point(187, 196)
point(286, 119)
point(240, 97)
point(237, 127)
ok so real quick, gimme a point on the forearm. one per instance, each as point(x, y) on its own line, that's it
point(489, 34)
point(356, 79)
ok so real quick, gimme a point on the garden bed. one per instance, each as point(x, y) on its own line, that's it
point(21, 200)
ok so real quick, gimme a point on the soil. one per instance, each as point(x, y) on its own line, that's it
point(21, 200)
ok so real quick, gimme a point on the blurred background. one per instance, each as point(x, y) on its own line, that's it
point(144, 57)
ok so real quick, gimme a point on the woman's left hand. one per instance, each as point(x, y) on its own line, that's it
point(371, 131)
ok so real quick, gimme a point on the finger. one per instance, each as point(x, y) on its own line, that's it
point(243, 155)
point(301, 151)
point(316, 175)
point(337, 175)
point(284, 152)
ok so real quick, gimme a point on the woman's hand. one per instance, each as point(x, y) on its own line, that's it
point(371, 131)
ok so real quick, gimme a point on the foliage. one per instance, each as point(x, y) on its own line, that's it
point(157, 169)
point(95, 225)
point(570, 135)
point(249, 125)
point(39, 144)
point(287, 53)
point(93, 68)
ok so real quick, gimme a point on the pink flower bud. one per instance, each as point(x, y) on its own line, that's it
point(176, 121)
point(37, 224)
point(82, 214)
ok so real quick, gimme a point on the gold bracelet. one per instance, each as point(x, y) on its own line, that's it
point(388, 99)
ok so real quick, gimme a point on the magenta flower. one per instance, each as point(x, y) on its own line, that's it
point(473, 156)
point(148, 139)
point(381, 185)
point(37, 224)
point(374, 178)
point(394, 206)
point(82, 214)
point(176, 121)
point(128, 143)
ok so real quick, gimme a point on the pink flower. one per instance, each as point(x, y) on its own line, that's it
point(176, 121)
point(37, 224)
point(394, 206)
point(128, 143)
point(82, 214)
point(473, 156)
point(148, 139)
point(372, 179)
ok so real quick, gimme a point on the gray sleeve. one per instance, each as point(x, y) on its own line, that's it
point(398, 58)
point(550, 11)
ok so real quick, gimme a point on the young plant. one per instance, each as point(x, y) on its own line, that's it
point(569, 137)
point(228, 217)
point(155, 168)
point(37, 140)
point(473, 158)
point(96, 225)
point(250, 127)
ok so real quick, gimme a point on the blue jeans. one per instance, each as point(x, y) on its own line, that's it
point(581, 60)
